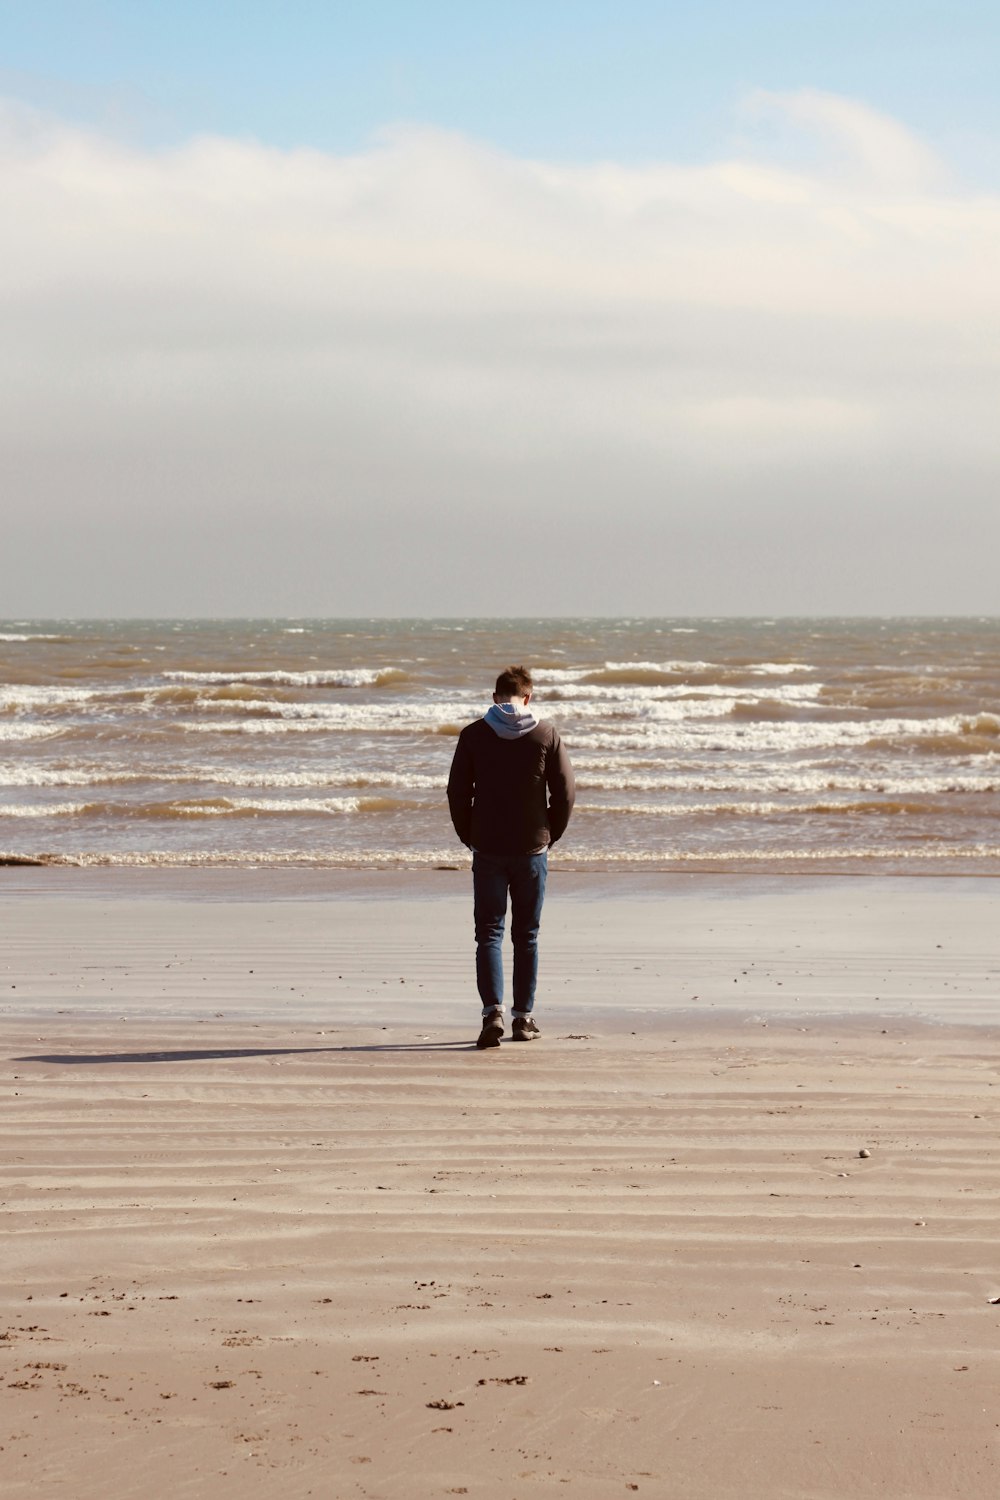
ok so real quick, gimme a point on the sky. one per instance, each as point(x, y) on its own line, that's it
point(551, 308)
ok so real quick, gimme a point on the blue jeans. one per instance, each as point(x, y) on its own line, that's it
point(493, 876)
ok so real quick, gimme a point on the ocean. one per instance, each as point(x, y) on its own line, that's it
point(700, 744)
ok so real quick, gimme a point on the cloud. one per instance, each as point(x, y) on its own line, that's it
point(431, 333)
point(881, 151)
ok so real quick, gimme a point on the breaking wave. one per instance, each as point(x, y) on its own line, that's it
point(670, 673)
point(12, 730)
point(450, 859)
point(43, 810)
point(954, 736)
point(249, 695)
point(12, 774)
point(601, 778)
point(211, 807)
point(25, 638)
point(20, 696)
point(886, 808)
point(347, 677)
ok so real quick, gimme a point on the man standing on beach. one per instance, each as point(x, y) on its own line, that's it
point(510, 794)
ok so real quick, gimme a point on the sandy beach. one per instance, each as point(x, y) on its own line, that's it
point(272, 1225)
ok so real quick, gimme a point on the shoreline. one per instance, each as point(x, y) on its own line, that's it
point(267, 882)
point(867, 866)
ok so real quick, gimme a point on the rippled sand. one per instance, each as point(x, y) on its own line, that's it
point(347, 1254)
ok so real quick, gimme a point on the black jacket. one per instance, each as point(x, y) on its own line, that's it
point(510, 796)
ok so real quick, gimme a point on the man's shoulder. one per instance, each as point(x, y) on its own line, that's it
point(546, 731)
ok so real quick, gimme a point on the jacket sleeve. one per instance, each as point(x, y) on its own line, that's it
point(561, 788)
point(461, 790)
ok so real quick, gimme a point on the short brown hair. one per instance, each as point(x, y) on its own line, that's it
point(514, 682)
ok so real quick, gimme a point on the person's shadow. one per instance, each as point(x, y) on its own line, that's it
point(208, 1054)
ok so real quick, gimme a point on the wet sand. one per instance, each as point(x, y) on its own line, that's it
point(288, 1232)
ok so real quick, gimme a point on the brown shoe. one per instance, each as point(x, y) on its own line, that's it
point(524, 1029)
point(492, 1030)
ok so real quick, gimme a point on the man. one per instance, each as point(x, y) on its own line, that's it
point(510, 794)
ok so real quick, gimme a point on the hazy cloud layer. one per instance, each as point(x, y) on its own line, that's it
point(434, 378)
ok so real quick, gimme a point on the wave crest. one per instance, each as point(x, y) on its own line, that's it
point(214, 807)
point(346, 677)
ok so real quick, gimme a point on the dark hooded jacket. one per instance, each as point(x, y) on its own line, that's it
point(510, 790)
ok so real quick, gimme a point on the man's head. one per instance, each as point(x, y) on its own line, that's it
point(514, 685)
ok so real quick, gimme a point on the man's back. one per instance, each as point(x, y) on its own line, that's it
point(510, 795)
